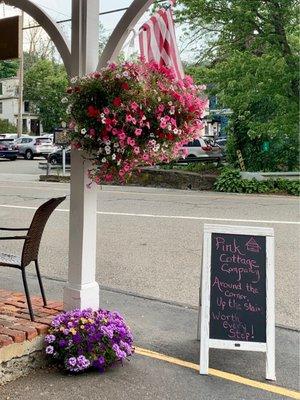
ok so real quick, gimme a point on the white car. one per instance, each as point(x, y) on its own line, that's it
point(34, 146)
point(8, 135)
point(202, 150)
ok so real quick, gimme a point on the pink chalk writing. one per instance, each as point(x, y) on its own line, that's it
point(253, 246)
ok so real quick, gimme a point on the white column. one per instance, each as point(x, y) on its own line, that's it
point(82, 290)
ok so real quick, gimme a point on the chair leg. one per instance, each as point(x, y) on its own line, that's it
point(40, 282)
point(27, 294)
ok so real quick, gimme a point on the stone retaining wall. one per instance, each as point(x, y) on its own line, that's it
point(175, 179)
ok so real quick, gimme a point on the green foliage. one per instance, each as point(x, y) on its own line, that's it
point(202, 167)
point(8, 68)
point(7, 127)
point(45, 83)
point(251, 64)
point(230, 181)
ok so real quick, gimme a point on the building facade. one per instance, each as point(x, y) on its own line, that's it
point(9, 106)
point(216, 120)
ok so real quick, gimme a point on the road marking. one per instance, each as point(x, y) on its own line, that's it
point(31, 188)
point(220, 374)
point(261, 221)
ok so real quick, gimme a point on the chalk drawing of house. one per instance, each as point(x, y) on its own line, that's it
point(253, 246)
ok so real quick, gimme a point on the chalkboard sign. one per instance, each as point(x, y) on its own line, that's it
point(238, 287)
point(237, 292)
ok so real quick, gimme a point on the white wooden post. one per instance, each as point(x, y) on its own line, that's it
point(82, 290)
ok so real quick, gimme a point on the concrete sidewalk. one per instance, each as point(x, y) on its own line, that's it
point(168, 330)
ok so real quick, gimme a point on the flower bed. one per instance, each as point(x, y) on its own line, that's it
point(79, 340)
point(132, 114)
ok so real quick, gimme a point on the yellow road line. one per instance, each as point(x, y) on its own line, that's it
point(220, 374)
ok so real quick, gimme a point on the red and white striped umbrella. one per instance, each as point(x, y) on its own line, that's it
point(158, 41)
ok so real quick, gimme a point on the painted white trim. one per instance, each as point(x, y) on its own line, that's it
point(200, 299)
point(236, 345)
point(270, 312)
point(205, 341)
point(242, 230)
point(205, 305)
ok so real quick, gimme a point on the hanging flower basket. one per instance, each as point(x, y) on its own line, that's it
point(132, 114)
point(82, 339)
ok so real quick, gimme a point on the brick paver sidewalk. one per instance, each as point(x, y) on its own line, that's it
point(15, 323)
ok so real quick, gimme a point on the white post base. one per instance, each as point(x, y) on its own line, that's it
point(81, 297)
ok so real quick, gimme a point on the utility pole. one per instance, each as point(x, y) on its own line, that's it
point(21, 73)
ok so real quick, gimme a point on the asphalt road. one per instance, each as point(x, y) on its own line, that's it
point(149, 240)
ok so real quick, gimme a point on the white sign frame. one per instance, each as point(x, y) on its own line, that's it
point(205, 342)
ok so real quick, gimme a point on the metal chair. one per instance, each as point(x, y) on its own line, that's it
point(31, 246)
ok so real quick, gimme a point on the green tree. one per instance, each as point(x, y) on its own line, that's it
point(251, 64)
point(45, 83)
point(8, 68)
point(7, 127)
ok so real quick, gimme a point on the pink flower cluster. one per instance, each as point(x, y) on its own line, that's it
point(132, 114)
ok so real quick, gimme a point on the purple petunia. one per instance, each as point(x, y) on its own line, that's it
point(81, 339)
point(49, 338)
point(49, 350)
point(62, 343)
point(71, 362)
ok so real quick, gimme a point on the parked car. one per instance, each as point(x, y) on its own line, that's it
point(32, 146)
point(201, 150)
point(8, 149)
point(221, 141)
point(56, 157)
point(8, 135)
point(48, 135)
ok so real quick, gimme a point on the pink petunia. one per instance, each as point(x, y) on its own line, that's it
point(126, 168)
point(138, 132)
point(134, 106)
point(121, 135)
point(109, 177)
point(136, 150)
point(131, 141)
point(163, 124)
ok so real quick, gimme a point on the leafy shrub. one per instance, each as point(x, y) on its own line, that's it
point(78, 340)
point(230, 181)
point(283, 154)
point(7, 127)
